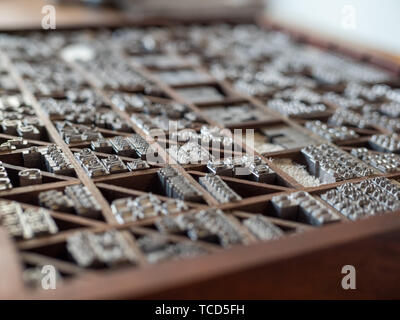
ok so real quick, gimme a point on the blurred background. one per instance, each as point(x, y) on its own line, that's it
point(373, 23)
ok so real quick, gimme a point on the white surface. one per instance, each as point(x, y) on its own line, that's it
point(377, 23)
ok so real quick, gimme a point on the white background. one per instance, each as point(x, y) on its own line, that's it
point(377, 22)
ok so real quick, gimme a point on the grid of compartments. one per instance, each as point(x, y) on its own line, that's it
point(82, 111)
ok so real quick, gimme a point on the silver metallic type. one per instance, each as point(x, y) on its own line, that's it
point(331, 164)
point(177, 185)
point(386, 143)
point(122, 146)
point(40, 221)
point(10, 126)
point(102, 145)
point(56, 200)
point(158, 249)
point(189, 153)
point(137, 164)
point(211, 225)
point(114, 164)
point(15, 143)
point(246, 166)
point(366, 198)
point(296, 108)
point(29, 177)
point(178, 117)
point(25, 224)
point(262, 228)
point(28, 132)
point(331, 133)
point(112, 71)
point(345, 117)
point(32, 157)
point(83, 201)
point(140, 145)
point(130, 102)
point(91, 163)
point(216, 187)
point(5, 182)
point(384, 162)
point(104, 249)
point(145, 206)
point(50, 78)
point(132, 146)
point(208, 136)
point(56, 161)
point(75, 199)
point(303, 207)
point(82, 110)
point(77, 133)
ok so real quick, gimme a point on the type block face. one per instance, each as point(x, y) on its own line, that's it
point(109, 248)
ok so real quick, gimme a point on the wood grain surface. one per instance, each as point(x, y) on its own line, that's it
point(11, 284)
